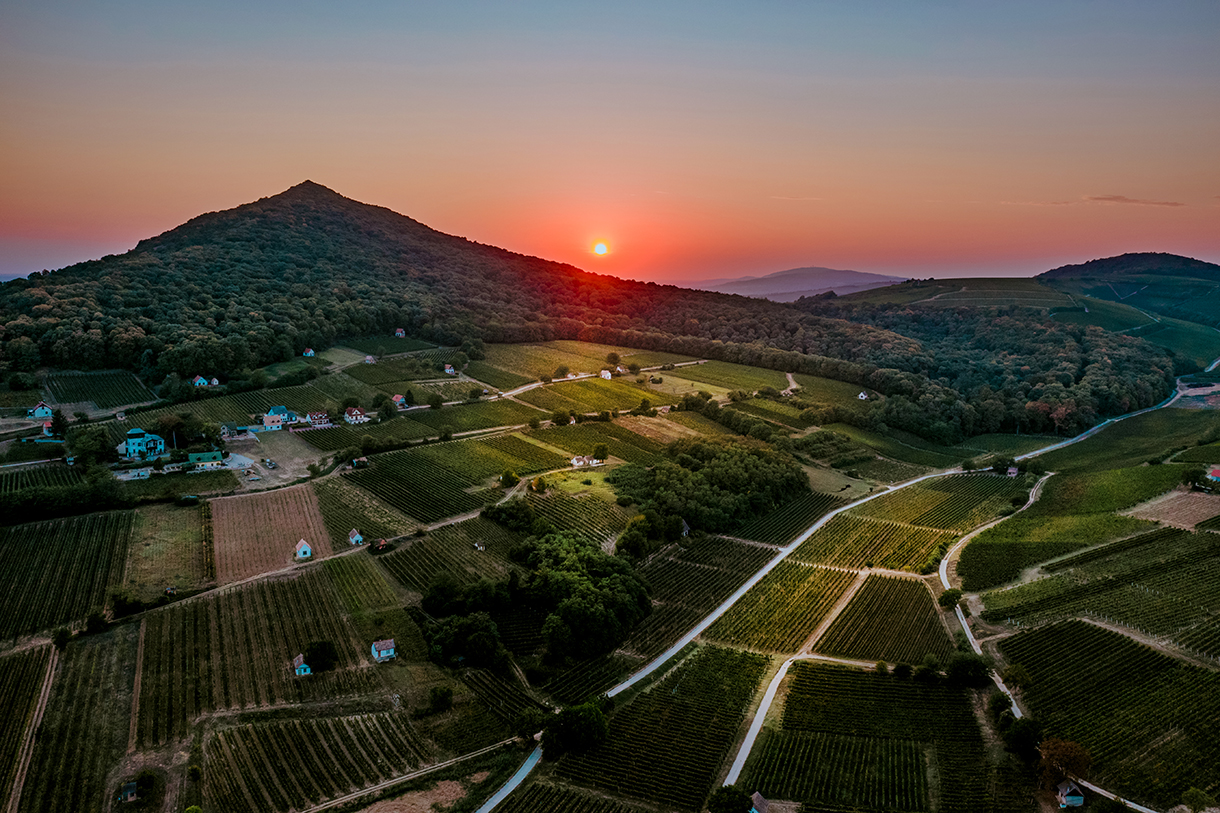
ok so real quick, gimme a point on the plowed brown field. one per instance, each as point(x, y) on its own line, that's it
point(258, 533)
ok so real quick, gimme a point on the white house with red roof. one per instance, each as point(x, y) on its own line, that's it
point(355, 415)
point(319, 419)
point(308, 353)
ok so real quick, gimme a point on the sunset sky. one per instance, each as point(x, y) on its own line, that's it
point(695, 139)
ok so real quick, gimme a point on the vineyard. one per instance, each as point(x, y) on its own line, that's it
point(234, 649)
point(535, 360)
point(592, 395)
point(21, 679)
point(592, 678)
point(451, 549)
point(51, 476)
point(483, 415)
point(55, 572)
point(293, 764)
point(890, 619)
point(693, 420)
point(582, 438)
point(386, 344)
point(734, 376)
point(492, 376)
point(167, 550)
point(781, 526)
point(430, 482)
point(359, 584)
point(106, 390)
point(689, 581)
point(539, 798)
point(258, 533)
point(956, 503)
point(397, 430)
point(827, 390)
point(84, 730)
point(1151, 722)
point(774, 411)
point(780, 612)
point(408, 368)
point(1165, 584)
point(239, 407)
point(589, 516)
point(868, 734)
point(506, 699)
point(848, 540)
point(344, 507)
point(651, 752)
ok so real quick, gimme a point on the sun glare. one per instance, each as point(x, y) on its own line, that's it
point(601, 248)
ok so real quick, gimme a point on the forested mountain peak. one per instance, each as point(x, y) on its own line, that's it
point(1144, 262)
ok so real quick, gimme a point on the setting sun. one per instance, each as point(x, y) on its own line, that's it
point(600, 248)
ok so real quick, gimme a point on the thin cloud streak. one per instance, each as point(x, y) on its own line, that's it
point(1103, 199)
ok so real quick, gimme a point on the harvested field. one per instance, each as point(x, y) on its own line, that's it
point(1183, 509)
point(258, 533)
point(659, 429)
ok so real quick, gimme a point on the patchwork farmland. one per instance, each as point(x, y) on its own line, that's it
point(258, 533)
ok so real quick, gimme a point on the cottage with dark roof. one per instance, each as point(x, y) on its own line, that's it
point(383, 650)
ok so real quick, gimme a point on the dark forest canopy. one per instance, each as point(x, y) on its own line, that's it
point(234, 290)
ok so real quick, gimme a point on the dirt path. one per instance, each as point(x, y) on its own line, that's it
point(31, 732)
point(135, 693)
point(839, 606)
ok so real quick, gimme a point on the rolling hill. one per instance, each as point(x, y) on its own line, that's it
point(791, 285)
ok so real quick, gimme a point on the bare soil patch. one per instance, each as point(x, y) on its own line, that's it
point(292, 457)
point(658, 429)
point(258, 533)
point(1183, 509)
point(444, 793)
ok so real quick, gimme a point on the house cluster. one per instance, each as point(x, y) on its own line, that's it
point(382, 651)
point(200, 381)
point(277, 418)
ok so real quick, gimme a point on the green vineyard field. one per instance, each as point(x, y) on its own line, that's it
point(51, 476)
point(397, 430)
point(781, 526)
point(21, 678)
point(590, 516)
point(539, 798)
point(890, 619)
point(848, 540)
point(958, 503)
point(451, 549)
point(345, 507)
point(1150, 722)
point(651, 753)
point(106, 390)
point(581, 439)
point(483, 415)
point(494, 376)
point(780, 612)
point(55, 572)
point(358, 583)
point(294, 764)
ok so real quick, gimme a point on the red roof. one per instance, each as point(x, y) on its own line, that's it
point(354, 411)
point(384, 646)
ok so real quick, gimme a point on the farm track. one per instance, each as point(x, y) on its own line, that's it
point(835, 611)
point(31, 733)
point(135, 692)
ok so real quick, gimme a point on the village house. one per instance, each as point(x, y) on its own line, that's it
point(369, 360)
point(383, 650)
point(449, 370)
point(40, 411)
point(199, 381)
point(215, 382)
point(319, 419)
point(299, 666)
point(206, 460)
point(605, 374)
point(128, 792)
point(47, 428)
point(231, 430)
point(582, 461)
point(1069, 795)
point(620, 370)
point(863, 396)
point(144, 444)
point(355, 415)
point(308, 353)
point(272, 423)
point(1012, 471)
point(399, 401)
point(399, 333)
point(304, 551)
point(354, 537)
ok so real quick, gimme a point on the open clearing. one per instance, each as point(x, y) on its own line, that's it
point(1183, 509)
point(258, 533)
point(166, 550)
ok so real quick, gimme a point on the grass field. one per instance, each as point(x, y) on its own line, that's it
point(172, 486)
point(167, 550)
point(901, 446)
point(1131, 442)
point(1150, 722)
point(258, 533)
point(1112, 316)
point(55, 572)
point(1199, 343)
point(889, 619)
point(734, 376)
point(827, 390)
point(997, 292)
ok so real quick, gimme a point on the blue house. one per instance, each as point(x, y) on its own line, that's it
point(299, 665)
point(144, 444)
point(304, 550)
point(355, 537)
point(308, 353)
point(383, 650)
point(40, 410)
point(1069, 794)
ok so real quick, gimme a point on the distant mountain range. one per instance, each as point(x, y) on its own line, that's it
point(791, 285)
point(1142, 263)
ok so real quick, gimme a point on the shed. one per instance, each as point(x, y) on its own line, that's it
point(215, 382)
point(355, 537)
point(1069, 794)
point(399, 333)
point(46, 428)
point(863, 396)
point(299, 666)
point(199, 381)
point(1012, 471)
point(369, 359)
point(128, 792)
point(449, 370)
point(308, 353)
point(304, 551)
point(383, 650)
point(758, 803)
point(399, 401)
point(605, 374)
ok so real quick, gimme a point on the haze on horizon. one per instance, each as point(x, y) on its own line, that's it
point(697, 140)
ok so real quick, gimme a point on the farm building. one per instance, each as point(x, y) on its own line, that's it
point(231, 429)
point(620, 370)
point(399, 401)
point(319, 419)
point(299, 666)
point(584, 461)
point(206, 460)
point(199, 381)
point(449, 370)
point(308, 353)
point(758, 803)
point(369, 360)
point(128, 792)
point(383, 650)
point(399, 333)
point(605, 374)
point(304, 551)
point(863, 396)
point(355, 415)
point(215, 382)
point(1214, 474)
point(40, 410)
point(355, 537)
point(1069, 794)
point(47, 428)
point(144, 444)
